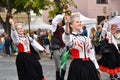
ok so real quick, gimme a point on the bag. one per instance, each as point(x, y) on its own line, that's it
point(54, 43)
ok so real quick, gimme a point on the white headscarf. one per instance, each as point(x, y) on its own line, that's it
point(74, 16)
point(55, 21)
point(106, 32)
point(105, 29)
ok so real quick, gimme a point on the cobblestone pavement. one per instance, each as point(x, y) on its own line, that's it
point(8, 69)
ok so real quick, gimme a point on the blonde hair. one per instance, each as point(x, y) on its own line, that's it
point(19, 24)
point(98, 27)
point(113, 26)
point(92, 29)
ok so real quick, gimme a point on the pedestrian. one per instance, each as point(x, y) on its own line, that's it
point(92, 35)
point(46, 41)
point(97, 39)
point(1, 45)
point(57, 31)
point(84, 31)
point(109, 62)
point(84, 65)
point(7, 44)
point(28, 66)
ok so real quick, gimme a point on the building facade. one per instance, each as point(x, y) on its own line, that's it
point(89, 8)
point(94, 8)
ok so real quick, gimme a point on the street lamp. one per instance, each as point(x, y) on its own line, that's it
point(28, 13)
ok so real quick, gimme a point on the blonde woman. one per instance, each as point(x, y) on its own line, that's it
point(28, 66)
point(84, 65)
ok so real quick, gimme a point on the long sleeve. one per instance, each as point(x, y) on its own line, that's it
point(14, 36)
point(93, 58)
point(36, 45)
point(67, 40)
point(112, 39)
point(92, 54)
point(115, 42)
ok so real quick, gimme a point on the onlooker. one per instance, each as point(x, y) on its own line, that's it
point(92, 35)
point(7, 44)
point(46, 41)
point(1, 45)
point(97, 38)
point(84, 32)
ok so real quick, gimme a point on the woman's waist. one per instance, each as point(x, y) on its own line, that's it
point(83, 59)
point(25, 52)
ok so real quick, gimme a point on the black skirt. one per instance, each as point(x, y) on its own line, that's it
point(110, 61)
point(28, 67)
point(82, 70)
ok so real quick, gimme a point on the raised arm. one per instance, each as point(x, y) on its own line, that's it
point(14, 34)
point(12, 24)
point(67, 21)
point(66, 36)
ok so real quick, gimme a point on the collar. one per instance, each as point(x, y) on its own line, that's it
point(76, 34)
point(21, 35)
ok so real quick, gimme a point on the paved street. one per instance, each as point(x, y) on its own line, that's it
point(8, 69)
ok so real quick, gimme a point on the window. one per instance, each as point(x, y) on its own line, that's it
point(102, 1)
point(100, 19)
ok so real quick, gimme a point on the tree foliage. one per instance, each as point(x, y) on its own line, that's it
point(59, 5)
point(21, 5)
point(16, 6)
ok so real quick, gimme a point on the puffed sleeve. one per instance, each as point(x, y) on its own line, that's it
point(112, 39)
point(93, 58)
point(36, 45)
point(92, 54)
point(14, 36)
point(67, 39)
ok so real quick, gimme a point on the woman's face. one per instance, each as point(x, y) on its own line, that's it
point(76, 25)
point(20, 29)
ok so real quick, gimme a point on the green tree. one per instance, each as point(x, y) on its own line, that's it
point(58, 6)
point(20, 6)
point(55, 6)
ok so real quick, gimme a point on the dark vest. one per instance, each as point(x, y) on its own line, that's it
point(58, 33)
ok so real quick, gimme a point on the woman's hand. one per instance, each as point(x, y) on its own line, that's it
point(12, 23)
point(99, 73)
point(46, 51)
point(119, 51)
point(67, 19)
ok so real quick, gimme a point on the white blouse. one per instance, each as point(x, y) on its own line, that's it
point(81, 47)
point(25, 41)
